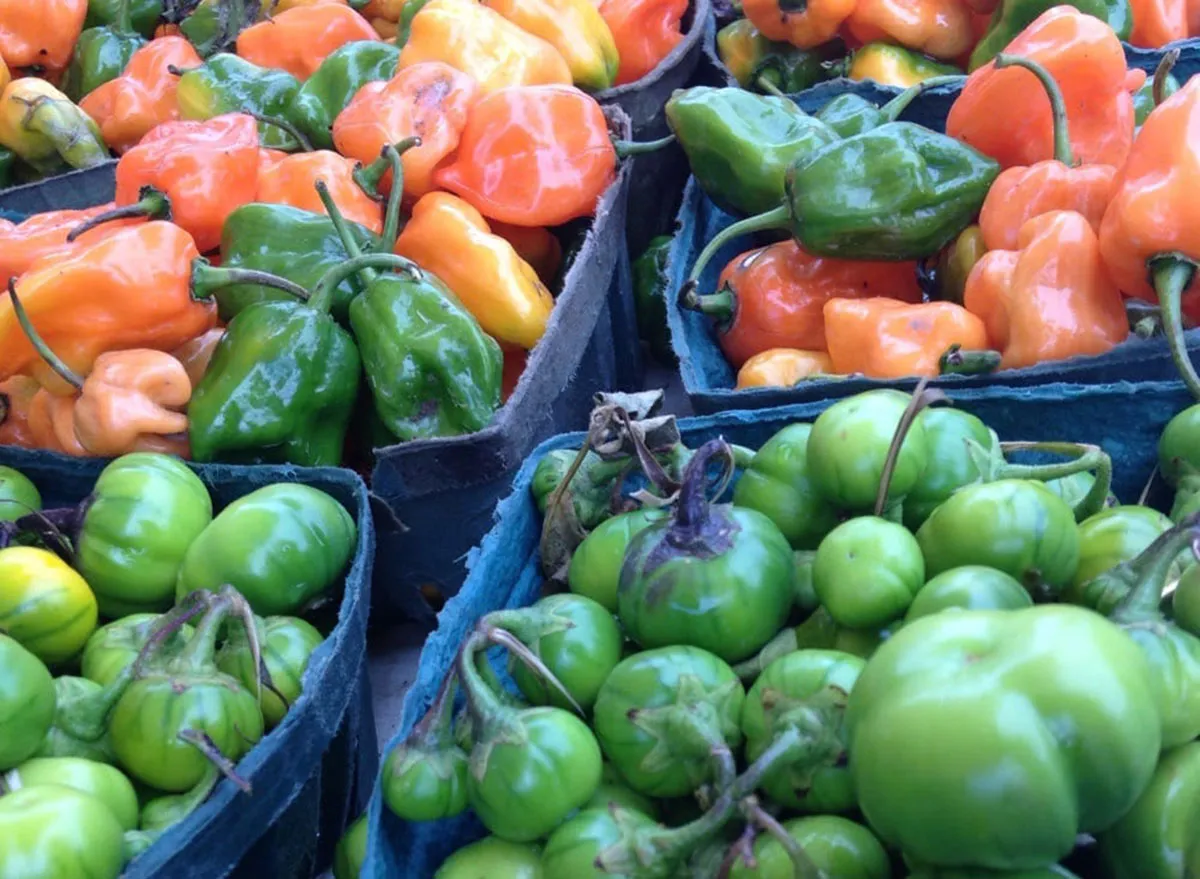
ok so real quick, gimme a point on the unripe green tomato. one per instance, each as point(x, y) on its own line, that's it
point(54, 832)
point(18, 496)
point(867, 571)
point(26, 703)
point(492, 858)
point(595, 570)
point(106, 783)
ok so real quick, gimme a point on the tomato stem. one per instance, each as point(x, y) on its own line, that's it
point(802, 865)
point(691, 511)
point(516, 648)
point(201, 742)
point(1151, 569)
point(922, 396)
point(1087, 458)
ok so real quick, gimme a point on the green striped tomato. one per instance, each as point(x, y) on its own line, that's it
point(45, 604)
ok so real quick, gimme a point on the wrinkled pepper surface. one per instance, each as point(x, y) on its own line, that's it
point(885, 338)
point(752, 58)
point(1013, 16)
point(226, 83)
point(327, 92)
point(645, 33)
point(941, 28)
point(41, 125)
point(299, 39)
point(40, 36)
point(888, 64)
point(576, 29)
point(807, 26)
point(101, 54)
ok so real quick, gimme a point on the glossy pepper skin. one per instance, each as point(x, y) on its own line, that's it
point(484, 44)
point(645, 33)
point(1158, 22)
point(533, 156)
point(450, 239)
point(41, 125)
point(807, 27)
point(143, 14)
point(888, 64)
point(44, 235)
point(886, 338)
point(144, 96)
point(956, 261)
point(576, 29)
point(739, 145)
point(101, 54)
point(941, 28)
point(782, 368)
point(850, 114)
point(299, 39)
point(431, 100)
point(328, 91)
point(1051, 299)
point(1006, 113)
point(774, 297)
point(959, 677)
point(649, 293)
point(1013, 16)
point(226, 83)
point(140, 283)
point(291, 180)
point(753, 58)
point(40, 36)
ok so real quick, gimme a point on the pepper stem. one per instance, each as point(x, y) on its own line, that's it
point(1152, 569)
point(1162, 75)
point(287, 127)
point(774, 219)
point(922, 396)
point(391, 213)
point(770, 88)
point(322, 297)
point(627, 148)
point(123, 20)
point(721, 305)
point(1058, 105)
point(1172, 274)
point(959, 362)
point(206, 277)
point(897, 105)
point(1087, 458)
point(39, 344)
point(152, 203)
point(370, 177)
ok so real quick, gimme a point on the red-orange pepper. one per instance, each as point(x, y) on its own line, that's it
point(941, 28)
point(533, 156)
point(430, 100)
point(299, 39)
point(1052, 298)
point(1158, 22)
point(1193, 16)
point(515, 360)
point(807, 26)
point(1006, 113)
point(143, 97)
point(774, 297)
point(536, 245)
point(16, 397)
point(40, 35)
point(884, 338)
point(45, 235)
point(291, 180)
point(782, 368)
point(645, 32)
point(1020, 194)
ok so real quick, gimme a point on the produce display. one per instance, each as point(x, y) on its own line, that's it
point(148, 643)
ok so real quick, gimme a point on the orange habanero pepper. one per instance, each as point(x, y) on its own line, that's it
point(483, 43)
point(1158, 22)
point(51, 424)
point(16, 396)
point(1006, 114)
point(536, 245)
point(1052, 298)
point(646, 31)
point(291, 180)
point(774, 297)
point(40, 35)
point(1193, 16)
point(45, 235)
point(533, 156)
point(817, 22)
point(1020, 194)
point(448, 237)
point(885, 338)
point(430, 99)
point(196, 354)
point(300, 38)
point(136, 288)
point(782, 368)
point(143, 97)
point(941, 28)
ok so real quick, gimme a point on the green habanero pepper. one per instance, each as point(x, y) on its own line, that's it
point(105, 783)
point(740, 145)
point(26, 703)
point(844, 199)
point(867, 572)
point(1157, 838)
point(112, 648)
point(850, 114)
point(595, 569)
point(954, 695)
point(836, 846)
point(492, 856)
point(324, 94)
point(101, 54)
point(757, 62)
point(1013, 16)
point(425, 776)
point(1153, 92)
point(351, 851)
point(18, 495)
point(226, 83)
point(714, 576)
point(779, 485)
point(286, 645)
point(213, 25)
point(144, 14)
point(971, 587)
point(282, 547)
point(649, 293)
point(55, 832)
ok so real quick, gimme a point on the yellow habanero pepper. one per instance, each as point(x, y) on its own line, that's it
point(782, 368)
point(5, 76)
point(895, 65)
point(448, 237)
point(576, 29)
point(484, 44)
point(41, 125)
point(45, 604)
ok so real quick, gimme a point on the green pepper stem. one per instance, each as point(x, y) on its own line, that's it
point(1087, 458)
point(773, 219)
point(892, 109)
point(123, 20)
point(206, 278)
point(518, 650)
point(721, 305)
point(323, 296)
point(1162, 75)
point(1172, 274)
point(203, 743)
point(765, 85)
point(959, 362)
point(1058, 104)
point(39, 344)
point(1152, 569)
point(152, 203)
point(391, 213)
point(341, 226)
point(287, 127)
point(922, 396)
point(627, 148)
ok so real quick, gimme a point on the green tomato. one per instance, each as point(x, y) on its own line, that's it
point(1052, 872)
point(836, 846)
point(595, 570)
point(971, 587)
point(1179, 447)
point(281, 547)
point(26, 703)
point(351, 850)
point(778, 485)
point(286, 644)
point(1185, 602)
point(572, 849)
point(112, 648)
point(867, 571)
point(849, 444)
point(805, 690)
point(44, 603)
point(1187, 503)
point(1112, 536)
point(615, 791)
point(577, 639)
point(1016, 526)
point(54, 832)
point(79, 721)
point(18, 495)
point(105, 783)
point(1075, 488)
point(662, 713)
point(492, 858)
point(806, 593)
point(950, 465)
point(425, 784)
point(146, 510)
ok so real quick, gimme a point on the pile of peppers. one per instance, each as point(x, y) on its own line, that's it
point(896, 647)
point(81, 79)
point(1045, 224)
point(789, 47)
point(147, 642)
